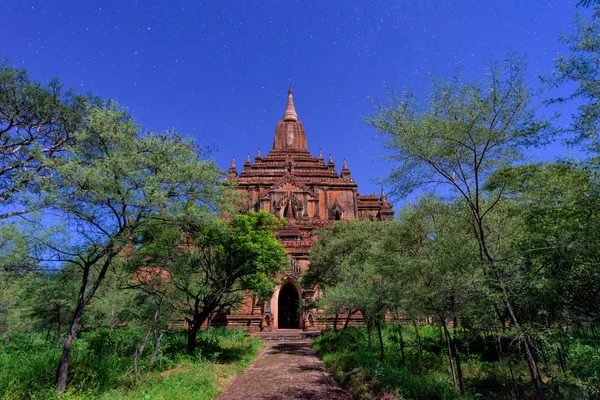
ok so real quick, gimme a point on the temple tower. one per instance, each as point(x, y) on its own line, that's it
point(292, 183)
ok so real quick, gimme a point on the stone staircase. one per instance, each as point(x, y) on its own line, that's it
point(287, 335)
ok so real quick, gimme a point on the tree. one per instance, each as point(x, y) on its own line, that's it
point(457, 137)
point(211, 263)
point(580, 67)
point(37, 123)
point(341, 266)
point(559, 203)
point(441, 259)
point(113, 181)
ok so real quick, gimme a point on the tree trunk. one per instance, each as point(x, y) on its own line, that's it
point(419, 348)
point(453, 348)
point(380, 341)
point(533, 368)
point(139, 352)
point(370, 333)
point(350, 314)
point(335, 321)
point(451, 361)
point(83, 298)
point(63, 365)
point(514, 381)
point(401, 339)
point(155, 352)
point(461, 381)
point(497, 345)
point(157, 337)
point(191, 339)
point(195, 323)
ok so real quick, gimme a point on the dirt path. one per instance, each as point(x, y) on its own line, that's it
point(285, 370)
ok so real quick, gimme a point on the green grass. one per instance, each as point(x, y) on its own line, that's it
point(360, 370)
point(102, 366)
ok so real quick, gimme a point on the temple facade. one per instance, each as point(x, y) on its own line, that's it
point(309, 192)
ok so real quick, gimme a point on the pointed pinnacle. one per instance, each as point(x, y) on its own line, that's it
point(290, 110)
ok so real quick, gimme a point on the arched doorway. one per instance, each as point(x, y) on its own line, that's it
point(287, 305)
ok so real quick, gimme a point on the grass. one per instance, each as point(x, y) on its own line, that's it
point(358, 367)
point(102, 366)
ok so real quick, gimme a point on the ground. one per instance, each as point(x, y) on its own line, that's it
point(285, 369)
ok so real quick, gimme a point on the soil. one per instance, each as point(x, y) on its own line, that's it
point(285, 370)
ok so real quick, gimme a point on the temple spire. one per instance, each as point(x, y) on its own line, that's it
point(345, 171)
point(383, 199)
point(232, 172)
point(290, 110)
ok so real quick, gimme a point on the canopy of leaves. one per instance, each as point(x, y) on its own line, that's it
point(37, 123)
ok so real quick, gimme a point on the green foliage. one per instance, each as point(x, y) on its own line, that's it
point(340, 264)
point(461, 132)
point(102, 365)
point(359, 368)
point(580, 67)
point(557, 246)
point(208, 264)
point(213, 259)
point(37, 123)
point(425, 376)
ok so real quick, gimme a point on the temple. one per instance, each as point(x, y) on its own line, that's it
point(308, 191)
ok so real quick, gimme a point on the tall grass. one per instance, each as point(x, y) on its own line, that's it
point(358, 367)
point(102, 365)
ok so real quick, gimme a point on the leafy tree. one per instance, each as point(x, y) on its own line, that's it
point(559, 203)
point(112, 182)
point(37, 123)
point(341, 266)
point(445, 269)
point(457, 137)
point(211, 263)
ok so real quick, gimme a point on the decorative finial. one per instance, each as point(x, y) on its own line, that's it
point(290, 110)
point(247, 164)
point(330, 160)
point(258, 154)
point(386, 207)
point(320, 154)
point(345, 171)
point(232, 172)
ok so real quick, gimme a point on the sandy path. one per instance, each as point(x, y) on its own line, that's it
point(285, 370)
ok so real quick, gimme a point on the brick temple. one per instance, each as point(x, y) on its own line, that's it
point(309, 192)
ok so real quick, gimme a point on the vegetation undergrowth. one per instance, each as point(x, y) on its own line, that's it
point(103, 365)
point(358, 367)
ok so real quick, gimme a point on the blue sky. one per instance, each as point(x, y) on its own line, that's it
point(219, 70)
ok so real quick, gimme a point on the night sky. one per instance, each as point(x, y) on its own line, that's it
point(220, 70)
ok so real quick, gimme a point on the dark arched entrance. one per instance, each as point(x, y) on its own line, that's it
point(287, 304)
